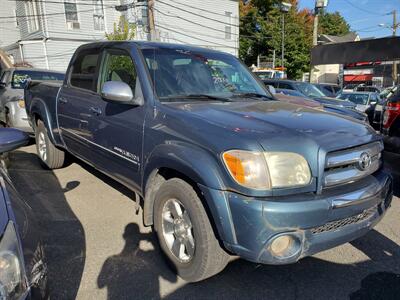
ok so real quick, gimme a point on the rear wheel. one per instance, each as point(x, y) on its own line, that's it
point(49, 155)
point(185, 232)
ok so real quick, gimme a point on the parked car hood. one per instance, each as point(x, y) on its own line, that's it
point(298, 100)
point(343, 111)
point(273, 122)
point(335, 101)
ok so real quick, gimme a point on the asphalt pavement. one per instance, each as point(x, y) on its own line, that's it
point(97, 247)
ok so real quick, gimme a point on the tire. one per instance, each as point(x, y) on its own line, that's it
point(49, 155)
point(206, 257)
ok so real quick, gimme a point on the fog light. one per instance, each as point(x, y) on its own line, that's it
point(281, 245)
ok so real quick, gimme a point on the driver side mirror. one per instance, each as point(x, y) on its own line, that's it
point(373, 102)
point(2, 85)
point(11, 139)
point(119, 92)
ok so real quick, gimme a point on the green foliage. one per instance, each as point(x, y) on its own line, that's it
point(261, 34)
point(333, 24)
point(122, 31)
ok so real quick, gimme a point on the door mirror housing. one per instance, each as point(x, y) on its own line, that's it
point(373, 102)
point(2, 85)
point(119, 92)
point(11, 139)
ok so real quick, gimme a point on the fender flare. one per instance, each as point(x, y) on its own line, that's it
point(39, 107)
point(193, 162)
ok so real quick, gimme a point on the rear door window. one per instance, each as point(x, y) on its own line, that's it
point(84, 70)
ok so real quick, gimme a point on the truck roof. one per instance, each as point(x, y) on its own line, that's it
point(145, 44)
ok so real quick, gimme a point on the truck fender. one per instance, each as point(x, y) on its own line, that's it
point(190, 161)
point(39, 108)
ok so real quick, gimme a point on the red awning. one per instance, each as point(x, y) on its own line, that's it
point(367, 77)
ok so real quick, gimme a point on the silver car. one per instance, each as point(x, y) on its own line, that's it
point(12, 104)
point(363, 100)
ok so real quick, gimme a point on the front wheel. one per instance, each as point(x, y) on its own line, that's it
point(50, 156)
point(185, 232)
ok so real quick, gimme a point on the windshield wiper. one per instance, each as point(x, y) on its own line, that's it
point(197, 96)
point(252, 95)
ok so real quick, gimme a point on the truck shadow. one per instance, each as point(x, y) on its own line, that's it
point(137, 272)
point(62, 232)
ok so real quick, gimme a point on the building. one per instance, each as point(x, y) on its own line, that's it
point(45, 33)
point(331, 73)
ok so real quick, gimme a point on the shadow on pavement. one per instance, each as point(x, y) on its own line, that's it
point(62, 232)
point(135, 273)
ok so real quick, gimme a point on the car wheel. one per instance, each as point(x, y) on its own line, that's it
point(49, 155)
point(185, 233)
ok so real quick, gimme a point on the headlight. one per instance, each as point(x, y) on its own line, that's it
point(12, 276)
point(21, 103)
point(266, 170)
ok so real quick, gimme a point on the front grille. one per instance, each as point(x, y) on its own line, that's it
point(336, 225)
point(346, 165)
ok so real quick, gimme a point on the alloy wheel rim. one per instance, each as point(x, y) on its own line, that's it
point(42, 146)
point(177, 230)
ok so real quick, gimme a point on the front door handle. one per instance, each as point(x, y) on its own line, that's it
point(96, 111)
point(62, 100)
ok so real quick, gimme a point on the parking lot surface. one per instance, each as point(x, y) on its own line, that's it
point(98, 248)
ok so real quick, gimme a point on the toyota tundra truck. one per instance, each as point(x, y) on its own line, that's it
point(220, 166)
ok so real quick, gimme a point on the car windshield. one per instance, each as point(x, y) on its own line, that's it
point(361, 99)
point(182, 75)
point(20, 77)
point(308, 89)
point(265, 75)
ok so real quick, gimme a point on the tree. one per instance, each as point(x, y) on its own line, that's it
point(261, 33)
point(122, 31)
point(333, 24)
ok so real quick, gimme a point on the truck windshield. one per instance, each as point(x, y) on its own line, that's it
point(182, 75)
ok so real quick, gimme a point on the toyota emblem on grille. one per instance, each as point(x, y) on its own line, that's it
point(365, 161)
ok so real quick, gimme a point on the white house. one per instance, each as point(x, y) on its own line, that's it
point(45, 33)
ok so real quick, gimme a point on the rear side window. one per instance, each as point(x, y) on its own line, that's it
point(285, 86)
point(84, 70)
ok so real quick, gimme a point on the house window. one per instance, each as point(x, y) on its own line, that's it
point(228, 27)
point(32, 11)
point(71, 15)
point(98, 15)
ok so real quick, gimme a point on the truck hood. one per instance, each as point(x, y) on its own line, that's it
point(272, 123)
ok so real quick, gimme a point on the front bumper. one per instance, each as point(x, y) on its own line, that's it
point(18, 117)
point(248, 225)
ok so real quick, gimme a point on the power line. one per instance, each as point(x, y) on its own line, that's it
point(363, 9)
point(195, 14)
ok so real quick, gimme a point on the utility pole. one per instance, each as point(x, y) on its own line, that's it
point(395, 24)
point(319, 5)
point(285, 7)
point(150, 15)
point(283, 42)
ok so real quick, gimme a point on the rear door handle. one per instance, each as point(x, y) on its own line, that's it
point(96, 111)
point(62, 100)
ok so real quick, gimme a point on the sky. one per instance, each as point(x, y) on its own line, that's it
point(364, 16)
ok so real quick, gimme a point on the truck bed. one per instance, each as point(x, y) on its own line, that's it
point(41, 96)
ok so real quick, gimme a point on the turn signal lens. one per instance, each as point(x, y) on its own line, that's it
point(248, 168)
point(266, 170)
point(21, 103)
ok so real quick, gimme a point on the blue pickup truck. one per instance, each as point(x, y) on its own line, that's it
point(221, 167)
